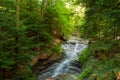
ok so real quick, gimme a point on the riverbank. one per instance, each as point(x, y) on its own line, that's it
point(45, 61)
point(95, 69)
point(100, 62)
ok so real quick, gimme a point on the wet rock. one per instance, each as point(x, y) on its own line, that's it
point(49, 78)
point(76, 63)
point(44, 63)
point(66, 77)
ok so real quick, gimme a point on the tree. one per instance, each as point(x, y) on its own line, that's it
point(101, 20)
point(28, 28)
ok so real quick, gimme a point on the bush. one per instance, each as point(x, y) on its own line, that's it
point(85, 73)
point(84, 55)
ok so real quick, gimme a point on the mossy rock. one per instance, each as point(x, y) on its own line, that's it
point(66, 77)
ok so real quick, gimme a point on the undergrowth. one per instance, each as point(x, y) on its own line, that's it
point(100, 61)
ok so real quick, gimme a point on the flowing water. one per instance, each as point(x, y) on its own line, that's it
point(68, 65)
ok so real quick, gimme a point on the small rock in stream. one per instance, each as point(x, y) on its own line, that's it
point(66, 77)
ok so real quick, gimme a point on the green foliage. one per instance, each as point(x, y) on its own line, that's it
point(57, 18)
point(46, 37)
point(84, 55)
point(102, 29)
point(101, 70)
point(106, 46)
point(25, 74)
point(5, 62)
point(85, 73)
point(40, 23)
point(57, 49)
point(100, 61)
point(102, 19)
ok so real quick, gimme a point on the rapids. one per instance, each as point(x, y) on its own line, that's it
point(69, 64)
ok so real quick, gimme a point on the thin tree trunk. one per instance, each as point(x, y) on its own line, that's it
point(17, 23)
point(3, 74)
point(113, 33)
point(17, 13)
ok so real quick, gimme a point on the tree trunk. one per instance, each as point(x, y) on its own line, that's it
point(3, 74)
point(17, 23)
point(17, 13)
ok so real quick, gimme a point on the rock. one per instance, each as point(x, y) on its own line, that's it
point(118, 76)
point(66, 77)
point(45, 61)
point(76, 63)
point(49, 78)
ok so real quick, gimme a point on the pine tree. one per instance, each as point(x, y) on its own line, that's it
point(28, 28)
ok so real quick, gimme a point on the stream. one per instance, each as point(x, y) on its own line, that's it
point(68, 64)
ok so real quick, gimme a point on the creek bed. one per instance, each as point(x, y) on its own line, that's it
point(68, 64)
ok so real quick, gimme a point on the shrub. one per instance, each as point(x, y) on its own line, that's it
point(84, 55)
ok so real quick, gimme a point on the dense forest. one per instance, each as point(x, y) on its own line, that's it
point(31, 30)
point(102, 28)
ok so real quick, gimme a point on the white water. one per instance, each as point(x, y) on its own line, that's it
point(71, 49)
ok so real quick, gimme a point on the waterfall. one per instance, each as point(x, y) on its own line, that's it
point(71, 49)
point(67, 65)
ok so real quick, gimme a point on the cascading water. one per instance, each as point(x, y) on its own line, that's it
point(67, 65)
point(71, 50)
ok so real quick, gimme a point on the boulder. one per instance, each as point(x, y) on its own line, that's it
point(66, 77)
